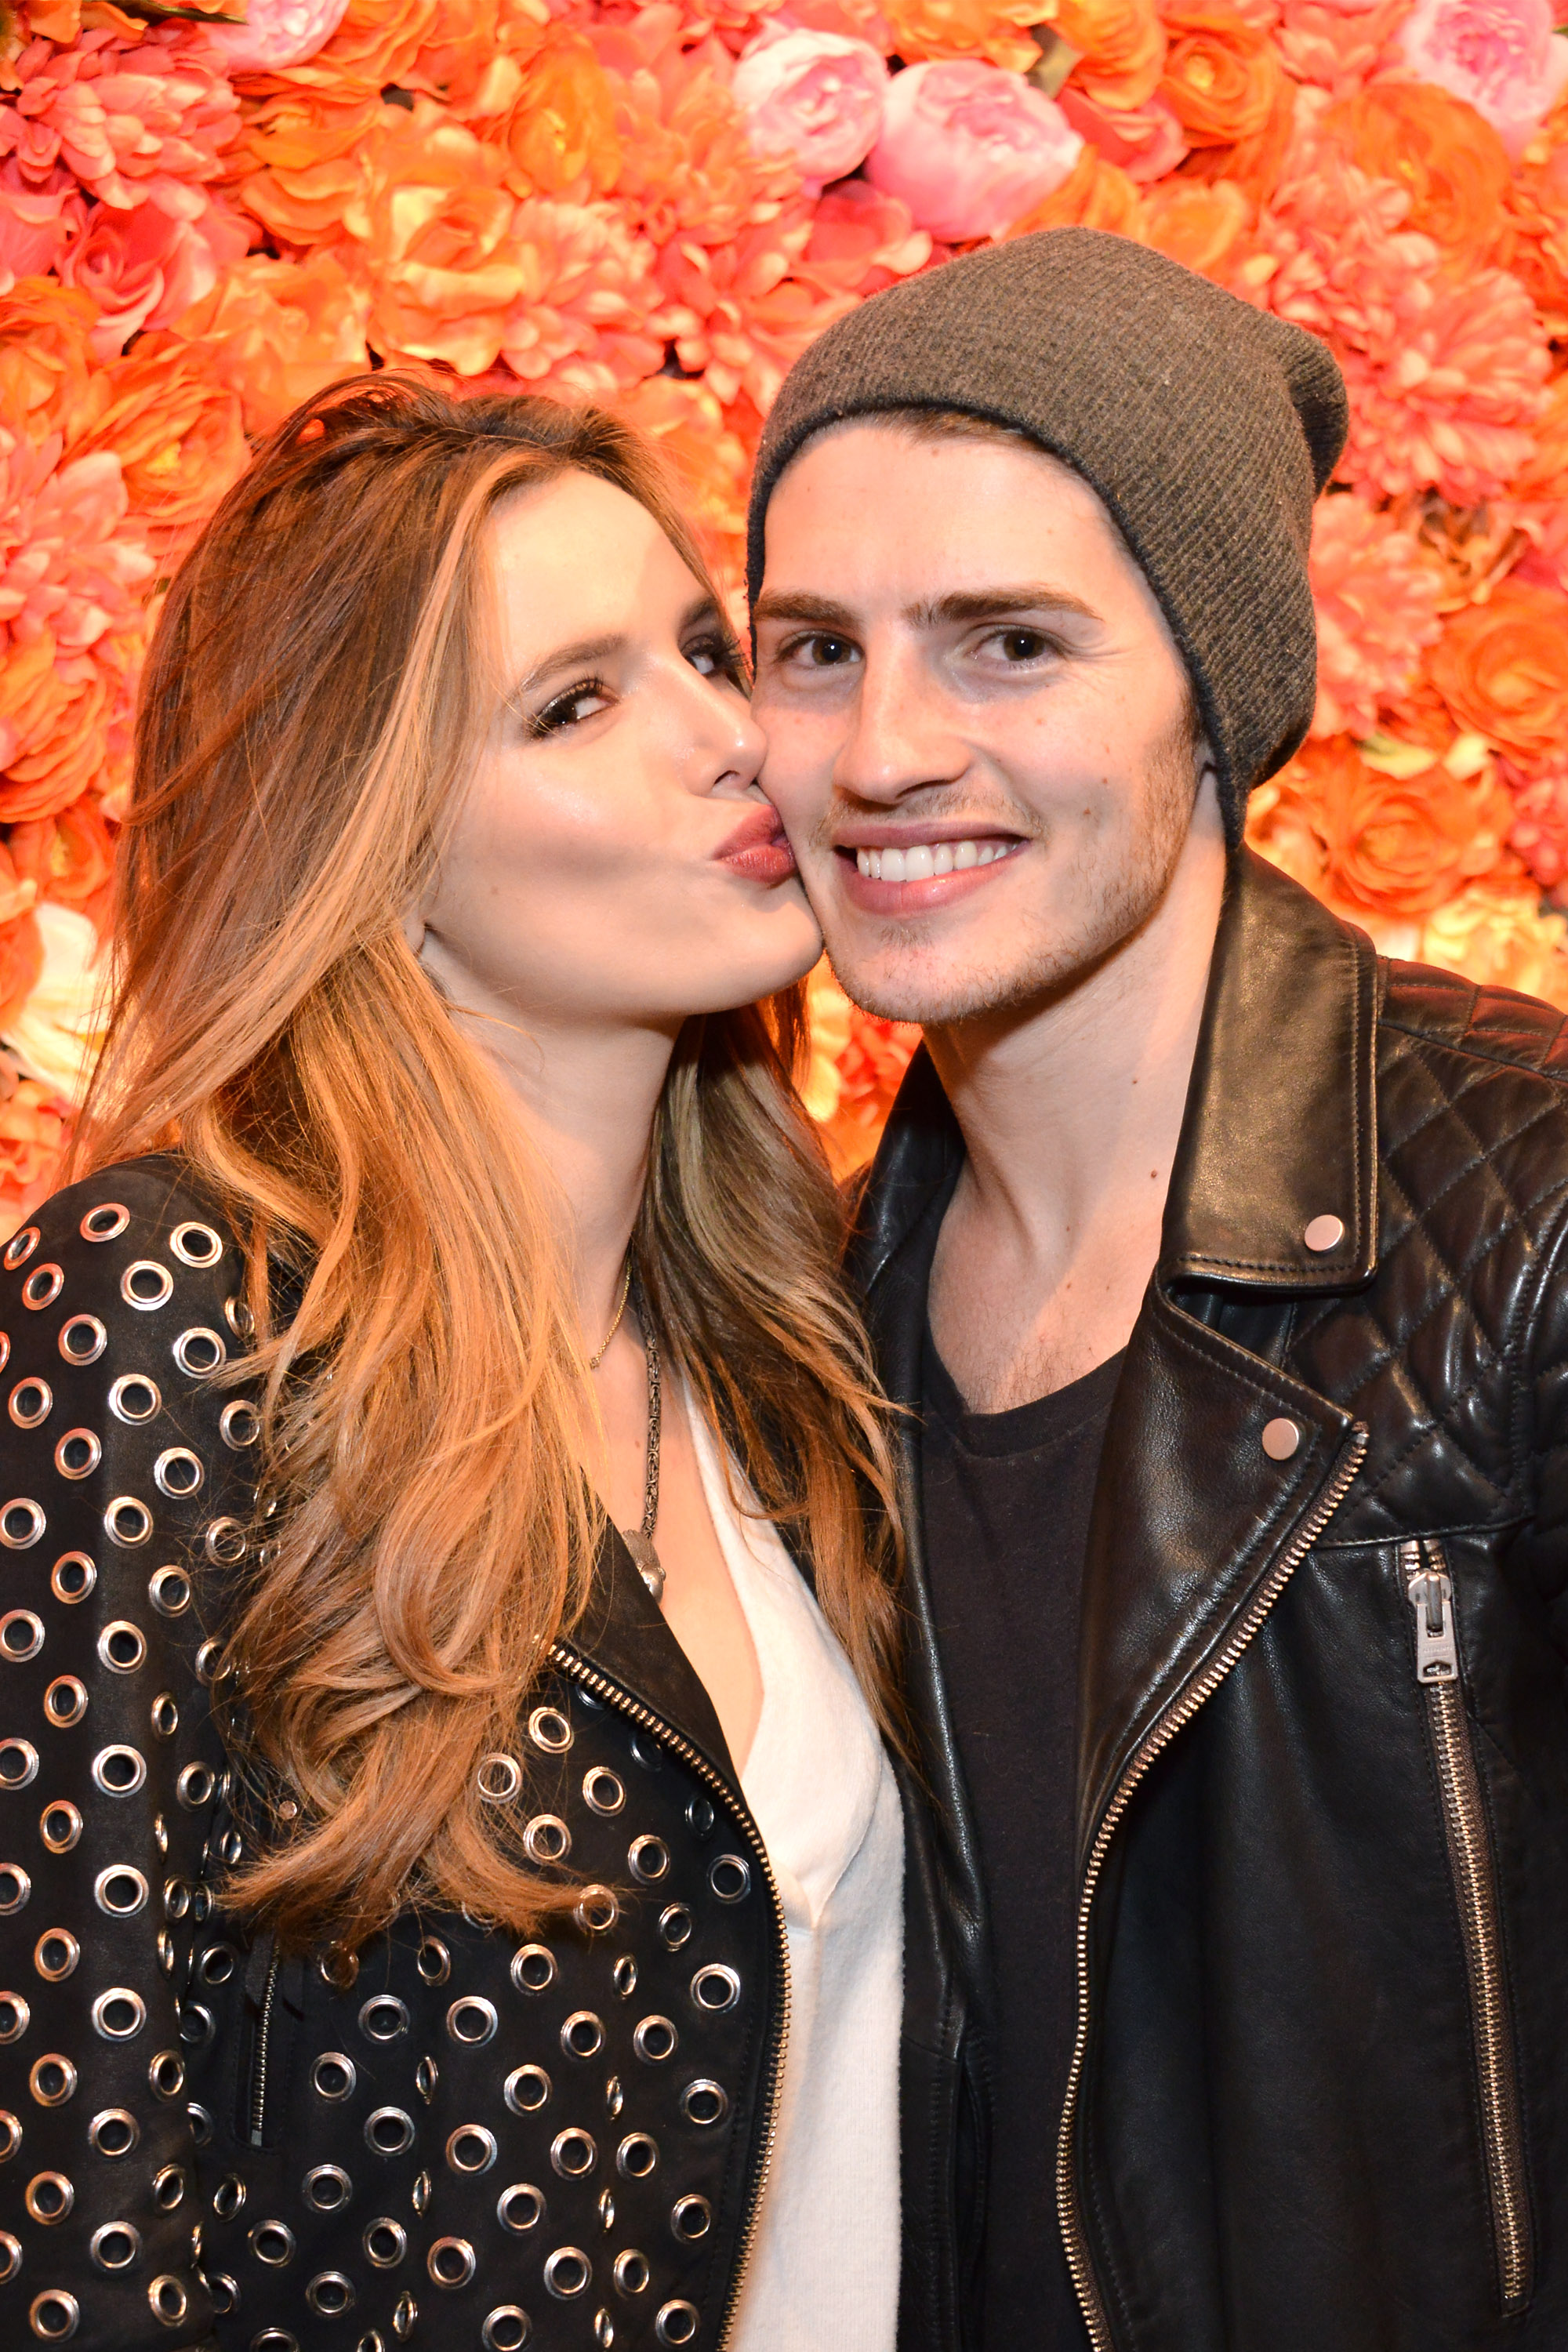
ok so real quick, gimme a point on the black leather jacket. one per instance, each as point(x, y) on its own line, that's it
point(1321, 2096)
point(458, 2140)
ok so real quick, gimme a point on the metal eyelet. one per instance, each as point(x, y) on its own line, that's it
point(18, 1763)
point(169, 1590)
point(675, 1925)
point(498, 1779)
point(677, 2323)
point(527, 2089)
point(168, 2188)
point(48, 2198)
point(120, 1890)
point(506, 2330)
point(195, 1244)
point(114, 2132)
point(123, 1646)
point(648, 1860)
point(196, 1787)
point(574, 2153)
point(385, 2242)
point(451, 2262)
point(389, 2131)
point(520, 2207)
point(632, 2273)
point(167, 2074)
point(72, 1577)
point(596, 1910)
point(177, 1472)
point(333, 2076)
point(238, 1317)
point(118, 1770)
point(21, 1635)
point(730, 1878)
point(655, 2039)
point(20, 1248)
point(65, 1701)
point(691, 2218)
point(549, 1729)
point(328, 2188)
point(52, 2316)
point(229, 2197)
point(636, 2155)
point(225, 1543)
point(433, 1960)
point(30, 1401)
point(79, 1454)
point(239, 1425)
point(603, 1791)
point(383, 2017)
point(715, 1988)
point(115, 2246)
point(10, 2137)
point(199, 1352)
point(145, 1284)
point(167, 2300)
point(82, 1339)
point(471, 2148)
point(106, 1223)
point(534, 1968)
point(21, 1523)
point(14, 1888)
point(128, 1522)
point(134, 1398)
point(43, 1286)
point(472, 2021)
point(52, 2079)
point(16, 2015)
point(272, 2243)
point(624, 1976)
point(567, 2273)
point(583, 2035)
point(547, 1839)
point(119, 2014)
point(330, 2294)
point(60, 1825)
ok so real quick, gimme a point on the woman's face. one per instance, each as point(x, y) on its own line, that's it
point(614, 862)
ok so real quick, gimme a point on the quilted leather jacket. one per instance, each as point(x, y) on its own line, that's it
point(455, 2139)
point(1320, 2100)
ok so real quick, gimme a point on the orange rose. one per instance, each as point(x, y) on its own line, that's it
point(1499, 935)
point(377, 45)
point(1121, 45)
point(45, 358)
point(33, 1132)
point(60, 716)
point(1222, 76)
point(297, 165)
point(870, 1069)
point(707, 458)
point(1399, 846)
point(1095, 194)
point(1537, 201)
point(1502, 669)
point(70, 857)
point(993, 29)
point(560, 129)
point(276, 331)
point(1446, 155)
point(176, 430)
point(1546, 474)
point(1204, 226)
point(21, 961)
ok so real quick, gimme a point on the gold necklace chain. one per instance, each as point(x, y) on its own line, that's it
point(594, 1361)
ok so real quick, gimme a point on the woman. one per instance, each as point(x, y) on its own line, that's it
point(402, 1871)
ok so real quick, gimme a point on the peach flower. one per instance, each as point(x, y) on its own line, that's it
point(1500, 55)
point(1146, 141)
point(1502, 668)
point(1447, 156)
point(689, 170)
point(34, 1133)
point(277, 33)
point(1222, 76)
point(141, 123)
point(1539, 832)
point(1394, 845)
point(177, 431)
point(970, 149)
point(57, 1033)
point(1340, 48)
point(301, 161)
point(274, 333)
point(1201, 223)
point(993, 30)
point(144, 267)
point(814, 97)
point(21, 961)
point(71, 564)
point(862, 241)
point(1376, 600)
point(743, 312)
point(40, 218)
point(70, 858)
point(1498, 935)
point(1120, 46)
point(708, 459)
point(557, 120)
point(1095, 194)
point(1538, 205)
point(64, 722)
point(376, 46)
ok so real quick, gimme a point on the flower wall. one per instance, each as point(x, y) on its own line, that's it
point(658, 207)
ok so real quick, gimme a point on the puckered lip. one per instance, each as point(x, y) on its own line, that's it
point(849, 838)
point(762, 827)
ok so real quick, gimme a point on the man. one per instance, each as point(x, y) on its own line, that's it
point(1218, 1261)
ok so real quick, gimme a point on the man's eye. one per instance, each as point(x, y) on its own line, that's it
point(1022, 644)
point(569, 710)
point(821, 651)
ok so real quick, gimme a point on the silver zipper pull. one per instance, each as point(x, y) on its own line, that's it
point(1430, 1593)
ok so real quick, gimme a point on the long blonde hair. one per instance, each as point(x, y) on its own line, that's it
point(307, 721)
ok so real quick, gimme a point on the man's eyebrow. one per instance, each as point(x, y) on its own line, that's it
point(992, 604)
point(818, 612)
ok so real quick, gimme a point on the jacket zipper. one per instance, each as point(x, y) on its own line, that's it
point(259, 2054)
point(570, 1662)
point(1429, 1589)
point(1180, 1712)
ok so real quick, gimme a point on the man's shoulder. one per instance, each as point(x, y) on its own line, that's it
point(1440, 1017)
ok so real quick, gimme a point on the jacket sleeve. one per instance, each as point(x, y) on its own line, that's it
point(123, 1496)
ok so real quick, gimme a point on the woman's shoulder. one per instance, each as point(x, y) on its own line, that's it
point(123, 1243)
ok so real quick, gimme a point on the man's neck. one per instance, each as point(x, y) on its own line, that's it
point(1072, 1111)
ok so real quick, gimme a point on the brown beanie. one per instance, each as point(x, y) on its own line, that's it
point(1206, 428)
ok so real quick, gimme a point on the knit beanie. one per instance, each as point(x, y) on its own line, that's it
point(1207, 428)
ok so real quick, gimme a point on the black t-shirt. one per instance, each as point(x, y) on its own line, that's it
point(1006, 1505)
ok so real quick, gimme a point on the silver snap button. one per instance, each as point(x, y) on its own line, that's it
point(1281, 1439)
point(1324, 1232)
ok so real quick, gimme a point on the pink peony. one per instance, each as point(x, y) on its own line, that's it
point(969, 147)
point(1340, 48)
point(133, 122)
point(144, 268)
point(1376, 598)
point(39, 218)
point(862, 241)
point(1500, 55)
point(814, 97)
point(71, 565)
point(1145, 141)
point(277, 33)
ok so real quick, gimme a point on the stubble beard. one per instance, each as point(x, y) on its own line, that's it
point(1100, 906)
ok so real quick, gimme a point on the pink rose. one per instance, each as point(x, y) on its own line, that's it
point(1145, 141)
point(1500, 55)
point(145, 268)
point(815, 97)
point(277, 33)
point(969, 147)
point(39, 217)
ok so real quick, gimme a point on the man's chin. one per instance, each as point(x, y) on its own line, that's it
point(906, 989)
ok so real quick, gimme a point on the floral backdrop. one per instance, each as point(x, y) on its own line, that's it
point(657, 205)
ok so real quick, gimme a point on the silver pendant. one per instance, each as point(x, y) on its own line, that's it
point(649, 1567)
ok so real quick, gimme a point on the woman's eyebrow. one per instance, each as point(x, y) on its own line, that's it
point(581, 654)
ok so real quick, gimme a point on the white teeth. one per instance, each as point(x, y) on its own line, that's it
point(924, 860)
point(964, 855)
point(919, 863)
point(893, 865)
point(863, 860)
point(942, 860)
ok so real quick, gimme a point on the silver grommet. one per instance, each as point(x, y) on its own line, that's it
point(72, 1577)
point(113, 2131)
point(14, 1888)
point(169, 1590)
point(330, 2294)
point(115, 2246)
point(636, 2155)
point(649, 1859)
point(547, 1839)
point(10, 2135)
point(146, 1284)
point(128, 1522)
point(239, 1425)
point(583, 2035)
point(520, 2207)
point(120, 1890)
point(471, 2148)
point(603, 1791)
point(30, 1402)
point(632, 2273)
point(223, 1542)
point(704, 2103)
point(196, 1786)
point(677, 2323)
point(166, 2076)
point(450, 2262)
point(123, 1646)
point(16, 2015)
point(82, 1339)
point(106, 1223)
point(527, 2090)
point(506, 2330)
point(42, 1287)
point(119, 2014)
point(574, 2153)
point(18, 1763)
point(20, 1248)
point(383, 2017)
point(333, 2076)
point(133, 1398)
point(596, 1910)
point(21, 1523)
point(52, 2316)
point(21, 1634)
point(471, 2020)
point(118, 1770)
point(549, 1729)
point(177, 1472)
point(199, 1352)
point(498, 1779)
point(56, 1954)
point(52, 2079)
point(79, 1454)
point(48, 2198)
point(715, 1988)
point(534, 1968)
point(327, 2188)
point(655, 2039)
point(385, 2243)
point(195, 1244)
point(168, 2300)
point(729, 1878)
point(272, 2243)
point(567, 2273)
point(60, 1823)
point(389, 2131)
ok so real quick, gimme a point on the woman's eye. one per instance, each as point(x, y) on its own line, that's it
point(717, 657)
point(569, 710)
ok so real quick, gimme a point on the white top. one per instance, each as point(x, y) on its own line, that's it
point(824, 2271)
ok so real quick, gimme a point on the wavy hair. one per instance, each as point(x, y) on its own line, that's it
point(309, 715)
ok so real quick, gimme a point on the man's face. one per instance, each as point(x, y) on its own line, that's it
point(979, 728)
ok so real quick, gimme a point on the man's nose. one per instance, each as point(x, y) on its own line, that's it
point(902, 732)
